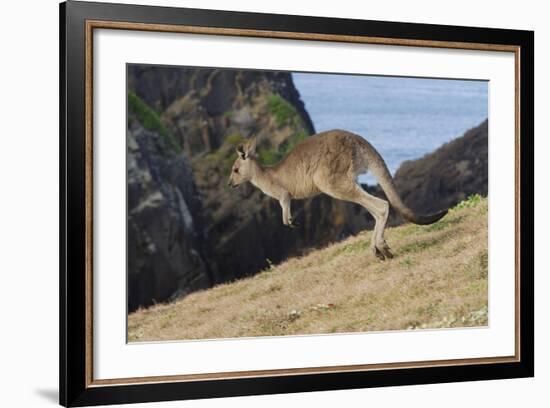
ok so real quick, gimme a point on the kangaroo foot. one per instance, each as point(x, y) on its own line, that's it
point(292, 223)
point(377, 253)
point(385, 250)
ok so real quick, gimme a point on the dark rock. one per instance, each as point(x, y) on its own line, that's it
point(166, 254)
point(447, 176)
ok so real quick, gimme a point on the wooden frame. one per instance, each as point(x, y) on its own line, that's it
point(77, 22)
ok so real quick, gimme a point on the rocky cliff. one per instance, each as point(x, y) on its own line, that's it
point(166, 236)
point(200, 116)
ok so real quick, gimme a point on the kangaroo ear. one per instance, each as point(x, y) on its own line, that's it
point(241, 152)
point(251, 147)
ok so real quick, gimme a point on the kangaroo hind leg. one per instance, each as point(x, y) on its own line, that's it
point(377, 207)
point(380, 210)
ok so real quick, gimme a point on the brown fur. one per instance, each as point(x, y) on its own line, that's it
point(328, 162)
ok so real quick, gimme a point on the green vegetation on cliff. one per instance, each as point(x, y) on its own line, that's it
point(437, 279)
point(270, 156)
point(225, 155)
point(149, 119)
point(285, 113)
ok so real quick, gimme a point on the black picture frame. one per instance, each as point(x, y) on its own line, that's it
point(75, 389)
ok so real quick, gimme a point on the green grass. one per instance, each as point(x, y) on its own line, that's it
point(355, 247)
point(149, 119)
point(471, 202)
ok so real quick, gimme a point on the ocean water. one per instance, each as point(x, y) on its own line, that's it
point(403, 118)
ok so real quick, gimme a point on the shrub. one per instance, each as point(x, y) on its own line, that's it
point(284, 112)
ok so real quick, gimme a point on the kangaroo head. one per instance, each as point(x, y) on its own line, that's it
point(244, 167)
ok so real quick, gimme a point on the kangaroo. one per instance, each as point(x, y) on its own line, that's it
point(327, 162)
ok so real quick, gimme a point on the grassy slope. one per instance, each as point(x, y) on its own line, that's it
point(437, 279)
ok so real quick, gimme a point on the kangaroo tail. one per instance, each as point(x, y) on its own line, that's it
point(381, 172)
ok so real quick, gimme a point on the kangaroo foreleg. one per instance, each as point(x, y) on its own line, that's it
point(287, 216)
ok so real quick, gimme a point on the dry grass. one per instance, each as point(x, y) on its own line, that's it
point(438, 278)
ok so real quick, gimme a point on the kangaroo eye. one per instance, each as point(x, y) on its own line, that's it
point(236, 170)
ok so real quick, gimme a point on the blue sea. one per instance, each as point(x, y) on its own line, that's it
point(403, 118)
